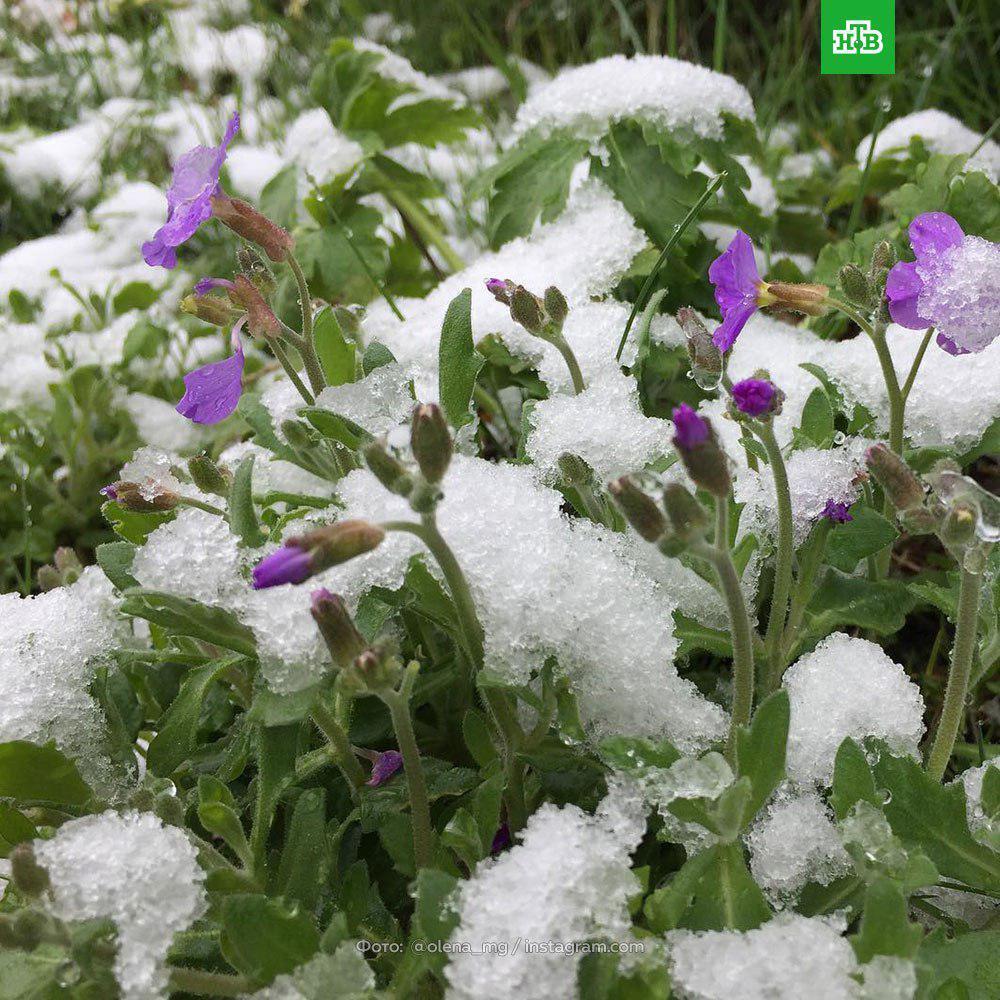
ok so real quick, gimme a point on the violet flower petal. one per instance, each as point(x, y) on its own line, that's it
point(690, 430)
point(903, 286)
point(753, 396)
point(205, 285)
point(501, 839)
point(934, 232)
point(837, 511)
point(732, 324)
point(195, 180)
point(734, 274)
point(290, 564)
point(949, 345)
point(213, 391)
point(387, 764)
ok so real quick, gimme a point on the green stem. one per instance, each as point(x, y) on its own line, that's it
point(201, 505)
point(344, 757)
point(571, 363)
point(293, 375)
point(309, 358)
point(809, 564)
point(739, 620)
point(958, 676)
point(420, 810)
point(915, 367)
point(208, 984)
point(783, 556)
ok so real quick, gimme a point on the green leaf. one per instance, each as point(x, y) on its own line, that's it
point(242, 515)
point(29, 772)
point(817, 419)
point(304, 857)
point(133, 526)
point(461, 835)
point(725, 816)
point(476, 732)
point(174, 741)
point(528, 182)
point(885, 928)
point(971, 960)
point(867, 534)
point(277, 749)
point(273, 708)
point(848, 600)
point(635, 754)
point(726, 896)
point(665, 907)
point(693, 635)
point(429, 123)
point(279, 200)
point(376, 355)
point(932, 817)
point(15, 828)
point(262, 939)
point(336, 352)
point(852, 780)
point(185, 616)
point(760, 749)
point(135, 295)
point(115, 559)
point(458, 360)
point(989, 799)
point(217, 814)
point(330, 256)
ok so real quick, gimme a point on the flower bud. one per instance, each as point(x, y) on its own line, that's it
point(527, 310)
point(639, 508)
point(959, 526)
point(209, 477)
point(574, 470)
point(918, 521)
point(335, 624)
point(706, 358)
point(304, 556)
point(133, 497)
point(556, 305)
point(689, 520)
point(261, 321)
point(855, 284)
point(431, 441)
point(376, 669)
point(902, 487)
point(212, 309)
point(883, 256)
point(169, 808)
point(384, 766)
point(26, 929)
point(26, 873)
point(755, 397)
point(700, 451)
point(502, 289)
point(808, 299)
point(49, 578)
point(254, 267)
point(246, 221)
point(387, 469)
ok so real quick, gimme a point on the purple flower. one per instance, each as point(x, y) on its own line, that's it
point(212, 392)
point(501, 839)
point(501, 289)
point(110, 492)
point(953, 285)
point(189, 198)
point(290, 564)
point(690, 430)
point(753, 396)
point(836, 511)
point(205, 285)
point(737, 288)
point(384, 767)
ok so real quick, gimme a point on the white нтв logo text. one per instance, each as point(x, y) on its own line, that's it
point(857, 38)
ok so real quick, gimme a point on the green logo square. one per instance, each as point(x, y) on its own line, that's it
point(858, 37)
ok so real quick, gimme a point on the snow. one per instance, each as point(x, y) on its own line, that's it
point(379, 402)
point(160, 425)
point(139, 873)
point(568, 881)
point(941, 133)
point(847, 687)
point(322, 150)
point(668, 93)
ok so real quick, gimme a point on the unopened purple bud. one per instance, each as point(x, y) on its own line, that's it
point(501, 839)
point(110, 492)
point(703, 457)
point(836, 511)
point(384, 767)
point(754, 396)
point(205, 285)
point(690, 430)
point(501, 289)
point(337, 627)
point(290, 564)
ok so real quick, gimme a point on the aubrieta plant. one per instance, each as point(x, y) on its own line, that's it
point(548, 540)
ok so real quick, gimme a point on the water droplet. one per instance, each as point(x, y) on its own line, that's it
point(839, 437)
point(886, 796)
point(68, 973)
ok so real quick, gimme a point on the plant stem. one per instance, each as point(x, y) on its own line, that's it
point(958, 675)
point(809, 563)
point(783, 556)
point(739, 620)
point(313, 368)
point(571, 363)
point(344, 757)
point(293, 375)
point(915, 367)
point(208, 984)
point(200, 505)
point(420, 811)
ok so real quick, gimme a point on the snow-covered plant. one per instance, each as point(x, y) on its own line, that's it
point(487, 534)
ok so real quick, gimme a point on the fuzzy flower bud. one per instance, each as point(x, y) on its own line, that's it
point(388, 469)
point(706, 358)
point(527, 310)
point(246, 221)
point(376, 669)
point(574, 470)
point(902, 487)
point(384, 766)
point(883, 256)
point(640, 510)
point(855, 284)
point(689, 520)
point(431, 441)
point(756, 397)
point(701, 452)
point(808, 299)
point(26, 873)
point(254, 267)
point(209, 477)
point(212, 309)
point(335, 624)
point(304, 556)
point(502, 289)
point(261, 321)
point(556, 305)
point(130, 496)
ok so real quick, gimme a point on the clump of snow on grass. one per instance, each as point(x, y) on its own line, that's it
point(941, 133)
point(274, 474)
point(668, 93)
point(49, 647)
point(584, 253)
point(769, 963)
point(568, 881)
point(152, 471)
point(393, 66)
point(139, 873)
point(379, 402)
point(794, 842)
point(322, 150)
point(888, 977)
point(543, 585)
point(847, 687)
point(982, 827)
point(160, 425)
